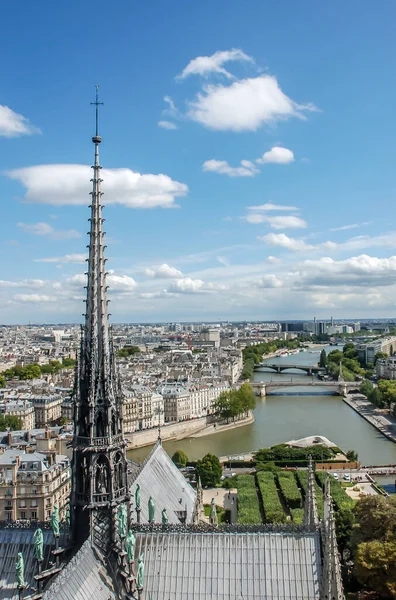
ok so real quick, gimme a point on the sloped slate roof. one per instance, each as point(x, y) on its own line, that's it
point(160, 478)
point(83, 578)
point(228, 566)
point(13, 541)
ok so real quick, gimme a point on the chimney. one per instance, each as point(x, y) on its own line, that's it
point(28, 436)
point(47, 432)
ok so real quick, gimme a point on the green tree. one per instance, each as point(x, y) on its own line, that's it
point(180, 458)
point(2, 381)
point(68, 362)
point(366, 387)
point(323, 359)
point(351, 455)
point(374, 544)
point(375, 398)
point(11, 421)
point(128, 351)
point(247, 398)
point(209, 470)
point(388, 391)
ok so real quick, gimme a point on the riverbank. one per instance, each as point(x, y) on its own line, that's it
point(179, 431)
point(210, 430)
point(384, 424)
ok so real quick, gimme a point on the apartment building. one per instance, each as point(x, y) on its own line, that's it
point(386, 368)
point(177, 404)
point(23, 409)
point(48, 409)
point(30, 485)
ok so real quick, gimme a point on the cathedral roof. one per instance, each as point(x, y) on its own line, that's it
point(83, 578)
point(205, 566)
point(160, 478)
point(13, 541)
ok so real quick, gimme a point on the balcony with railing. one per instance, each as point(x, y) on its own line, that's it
point(99, 441)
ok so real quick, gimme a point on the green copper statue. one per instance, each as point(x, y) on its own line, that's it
point(165, 519)
point(122, 520)
point(137, 497)
point(38, 539)
point(55, 520)
point(213, 513)
point(67, 518)
point(130, 542)
point(151, 510)
point(140, 572)
point(20, 570)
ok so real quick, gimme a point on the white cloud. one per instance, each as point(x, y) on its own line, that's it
point(13, 124)
point(362, 270)
point(269, 281)
point(23, 283)
point(44, 229)
point(205, 65)
point(67, 258)
point(170, 103)
point(352, 226)
point(70, 185)
point(223, 260)
point(276, 222)
point(245, 105)
point(277, 154)
point(164, 271)
point(120, 283)
point(270, 207)
point(273, 260)
point(247, 168)
point(186, 285)
point(167, 125)
point(34, 298)
point(283, 241)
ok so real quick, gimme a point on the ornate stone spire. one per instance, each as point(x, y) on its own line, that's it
point(311, 518)
point(332, 588)
point(99, 461)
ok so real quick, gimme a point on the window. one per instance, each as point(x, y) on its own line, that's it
point(34, 490)
point(8, 492)
point(23, 514)
point(34, 514)
point(23, 490)
point(48, 514)
point(47, 489)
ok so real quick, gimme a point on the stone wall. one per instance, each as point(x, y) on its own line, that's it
point(168, 432)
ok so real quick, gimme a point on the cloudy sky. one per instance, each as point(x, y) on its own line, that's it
point(248, 158)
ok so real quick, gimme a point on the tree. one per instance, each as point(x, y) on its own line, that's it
point(374, 544)
point(352, 455)
point(247, 398)
point(375, 397)
point(180, 458)
point(2, 381)
point(388, 391)
point(366, 387)
point(323, 359)
point(209, 470)
point(128, 351)
point(11, 421)
point(68, 362)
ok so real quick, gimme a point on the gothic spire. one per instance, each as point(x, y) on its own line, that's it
point(99, 461)
point(332, 587)
point(310, 506)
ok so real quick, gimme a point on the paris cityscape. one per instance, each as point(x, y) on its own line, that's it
point(197, 360)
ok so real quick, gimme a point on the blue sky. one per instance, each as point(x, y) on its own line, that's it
point(248, 153)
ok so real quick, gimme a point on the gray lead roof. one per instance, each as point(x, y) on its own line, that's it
point(281, 566)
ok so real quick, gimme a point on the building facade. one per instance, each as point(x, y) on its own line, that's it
point(23, 409)
point(30, 485)
point(48, 409)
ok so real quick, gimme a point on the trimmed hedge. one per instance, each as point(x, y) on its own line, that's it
point(289, 489)
point(282, 452)
point(273, 508)
point(248, 503)
point(302, 478)
point(340, 498)
point(297, 515)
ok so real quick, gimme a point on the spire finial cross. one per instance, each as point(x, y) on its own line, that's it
point(97, 104)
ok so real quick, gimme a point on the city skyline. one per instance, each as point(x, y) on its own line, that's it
point(241, 181)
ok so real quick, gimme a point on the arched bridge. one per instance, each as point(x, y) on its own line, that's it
point(311, 370)
point(262, 388)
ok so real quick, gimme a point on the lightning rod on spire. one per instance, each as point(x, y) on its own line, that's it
point(97, 139)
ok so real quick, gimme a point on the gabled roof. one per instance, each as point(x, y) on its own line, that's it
point(13, 541)
point(231, 566)
point(83, 578)
point(160, 478)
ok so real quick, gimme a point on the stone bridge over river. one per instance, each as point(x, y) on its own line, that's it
point(341, 388)
point(310, 369)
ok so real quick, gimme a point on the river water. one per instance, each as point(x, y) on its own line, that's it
point(290, 414)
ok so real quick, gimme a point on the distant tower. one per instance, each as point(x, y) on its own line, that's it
point(310, 506)
point(99, 482)
point(340, 373)
point(331, 321)
point(332, 588)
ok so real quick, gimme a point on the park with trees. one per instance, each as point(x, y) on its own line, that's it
point(235, 404)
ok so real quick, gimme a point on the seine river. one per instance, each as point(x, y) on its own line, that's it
point(292, 413)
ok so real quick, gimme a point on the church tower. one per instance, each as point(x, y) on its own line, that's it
point(99, 483)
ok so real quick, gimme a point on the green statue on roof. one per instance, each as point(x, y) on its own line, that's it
point(165, 519)
point(140, 572)
point(38, 540)
point(122, 520)
point(130, 542)
point(55, 520)
point(137, 497)
point(151, 510)
point(20, 570)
